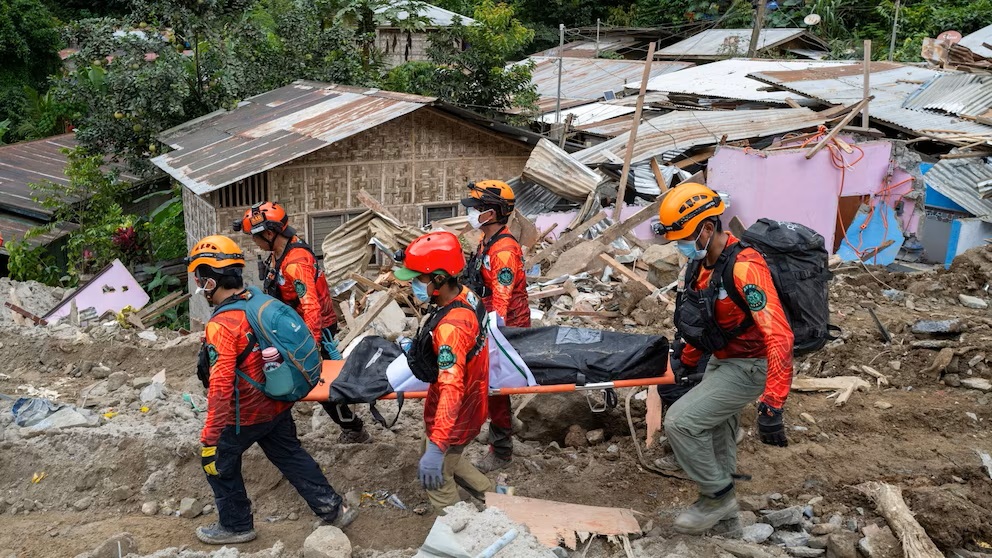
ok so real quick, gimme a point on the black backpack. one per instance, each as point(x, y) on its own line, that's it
point(422, 358)
point(798, 261)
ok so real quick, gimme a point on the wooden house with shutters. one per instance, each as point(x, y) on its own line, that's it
point(313, 147)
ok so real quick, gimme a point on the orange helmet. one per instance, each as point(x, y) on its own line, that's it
point(218, 252)
point(431, 253)
point(491, 193)
point(263, 216)
point(684, 208)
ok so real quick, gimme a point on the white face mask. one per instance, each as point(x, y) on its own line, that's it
point(474, 218)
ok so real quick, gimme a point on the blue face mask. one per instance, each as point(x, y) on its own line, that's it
point(689, 250)
point(420, 291)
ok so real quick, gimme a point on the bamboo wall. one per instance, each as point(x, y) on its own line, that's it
point(392, 43)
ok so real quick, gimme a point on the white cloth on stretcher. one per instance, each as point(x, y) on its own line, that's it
point(506, 368)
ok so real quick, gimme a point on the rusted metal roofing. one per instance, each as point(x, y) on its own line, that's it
point(273, 128)
point(681, 130)
point(14, 227)
point(609, 128)
point(587, 114)
point(976, 41)
point(348, 248)
point(587, 49)
point(968, 182)
point(724, 43)
point(890, 83)
point(589, 78)
point(34, 162)
point(963, 94)
point(729, 79)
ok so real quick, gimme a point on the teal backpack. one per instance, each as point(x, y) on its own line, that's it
point(275, 324)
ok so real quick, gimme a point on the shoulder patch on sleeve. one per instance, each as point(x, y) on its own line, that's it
point(505, 276)
point(211, 354)
point(755, 297)
point(445, 357)
point(300, 288)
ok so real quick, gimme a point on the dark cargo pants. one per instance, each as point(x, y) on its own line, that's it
point(281, 446)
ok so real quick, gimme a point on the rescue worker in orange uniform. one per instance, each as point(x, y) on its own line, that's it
point(451, 354)
point(751, 352)
point(496, 273)
point(293, 275)
point(239, 415)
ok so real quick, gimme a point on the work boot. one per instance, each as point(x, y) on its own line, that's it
point(346, 516)
point(706, 513)
point(668, 463)
point(360, 436)
point(215, 534)
point(492, 462)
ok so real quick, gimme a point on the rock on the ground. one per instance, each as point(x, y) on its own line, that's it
point(972, 302)
point(596, 437)
point(149, 508)
point(142, 382)
point(121, 493)
point(931, 327)
point(977, 383)
point(190, 507)
point(843, 545)
point(116, 380)
point(880, 543)
point(790, 538)
point(742, 549)
point(757, 533)
point(804, 552)
point(83, 503)
point(327, 542)
point(952, 380)
point(120, 544)
point(783, 518)
point(576, 437)
point(753, 502)
point(824, 529)
point(883, 405)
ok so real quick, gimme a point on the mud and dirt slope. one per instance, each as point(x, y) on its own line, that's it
point(922, 433)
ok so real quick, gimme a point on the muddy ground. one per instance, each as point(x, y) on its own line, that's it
point(96, 480)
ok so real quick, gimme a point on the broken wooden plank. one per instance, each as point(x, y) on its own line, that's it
point(551, 522)
point(658, 177)
point(789, 101)
point(523, 229)
point(20, 311)
point(836, 130)
point(366, 282)
point(365, 320)
point(844, 385)
point(564, 240)
point(619, 229)
point(349, 314)
point(626, 272)
point(632, 137)
point(375, 205)
point(883, 380)
point(150, 319)
point(891, 505)
point(557, 291)
point(736, 226)
point(701, 157)
point(153, 307)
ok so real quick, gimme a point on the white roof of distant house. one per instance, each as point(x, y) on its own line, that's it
point(438, 17)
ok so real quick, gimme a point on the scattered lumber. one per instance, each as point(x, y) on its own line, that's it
point(22, 312)
point(626, 272)
point(890, 503)
point(564, 240)
point(836, 130)
point(882, 379)
point(554, 522)
point(365, 320)
point(845, 386)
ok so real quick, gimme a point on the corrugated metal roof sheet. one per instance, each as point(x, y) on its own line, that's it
point(347, 249)
point(589, 78)
point(974, 41)
point(890, 83)
point(553, 168)
point(273, 128)
point(961, 180)
point(33, 162)
point(588, 114)
point(964, 94)
point(587, 49)
point(681, 130)
point(14, 227)
point(436, 16)
point(714, 43)
point(532, 199)
point(728, 79)
point(609, 128)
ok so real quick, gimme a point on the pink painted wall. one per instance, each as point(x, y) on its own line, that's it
point(113, 289)
point(642, 231)
point(786, 186)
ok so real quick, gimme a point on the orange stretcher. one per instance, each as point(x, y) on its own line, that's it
point(331, 369)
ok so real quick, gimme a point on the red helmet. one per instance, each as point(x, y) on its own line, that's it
point(435, 252)
point(261, 217)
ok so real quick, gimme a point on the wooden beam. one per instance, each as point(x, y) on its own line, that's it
point(557, 291)
point(847, 119)
point(368, 201)
point(365, 319)
point(366, 282)
point(619, 229)
point(866, 85)
point(18, 310)
point(629, 274)
point(349, 314)
point(555, 522)
point(632, 138)
point(792, 103)
point(658, 177)
point(564, 240)
point(970, 155)
point(700, 157)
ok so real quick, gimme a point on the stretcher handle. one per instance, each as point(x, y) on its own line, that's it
point(667, 379)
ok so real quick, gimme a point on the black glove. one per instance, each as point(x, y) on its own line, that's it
point(771, 428)
point(687, 375)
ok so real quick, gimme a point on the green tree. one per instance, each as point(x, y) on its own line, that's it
point(470, 63)
point(29, 53)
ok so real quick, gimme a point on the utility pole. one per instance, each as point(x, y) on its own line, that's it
point(561, 52)
point(759, 21)
point(597, 37)
point(895, 27)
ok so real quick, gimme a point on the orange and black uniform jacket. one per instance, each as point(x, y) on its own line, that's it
point(456, 405)
point(770, 337)
point(226, 338)
point(503, 273)
point(303, 286)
